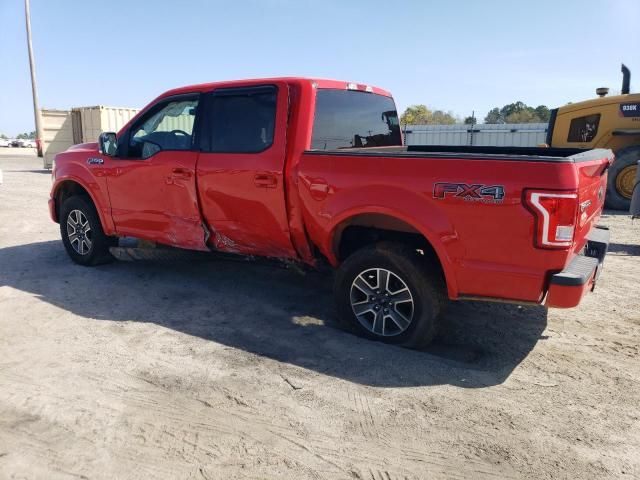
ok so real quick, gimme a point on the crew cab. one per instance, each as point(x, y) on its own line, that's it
point(315, 172)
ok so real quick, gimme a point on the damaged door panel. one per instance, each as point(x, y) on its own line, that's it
point(240, 170)
point(150, 200)
point(152, 182)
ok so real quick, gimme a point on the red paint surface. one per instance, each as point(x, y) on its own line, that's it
point(283, 202)
point(156, 198)
point(242, 195)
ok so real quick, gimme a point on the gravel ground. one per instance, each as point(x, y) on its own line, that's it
point(222, 370)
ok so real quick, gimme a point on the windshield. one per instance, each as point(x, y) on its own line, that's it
point(354, 119)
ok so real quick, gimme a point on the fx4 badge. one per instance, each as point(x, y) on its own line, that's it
point(95, 161)
point(471, 193)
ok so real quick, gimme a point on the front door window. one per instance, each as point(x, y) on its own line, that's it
point(166, 127)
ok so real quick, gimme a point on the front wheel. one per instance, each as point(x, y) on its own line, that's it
point(388, 292)
point(82, 233)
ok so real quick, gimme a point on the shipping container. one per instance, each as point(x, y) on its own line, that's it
point(503, 135)
point(64, 128)
point(57, 133)
point(92, 121)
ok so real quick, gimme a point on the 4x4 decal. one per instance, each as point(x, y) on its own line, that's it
point(474, 192)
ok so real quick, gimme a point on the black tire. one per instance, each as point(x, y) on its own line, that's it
point(98, 250)
point(422, 278)
point(624, 158)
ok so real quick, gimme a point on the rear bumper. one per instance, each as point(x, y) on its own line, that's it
point(566, 288)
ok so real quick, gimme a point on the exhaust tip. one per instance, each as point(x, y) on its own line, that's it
point(626, 79)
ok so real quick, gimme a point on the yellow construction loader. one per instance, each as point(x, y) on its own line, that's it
point(604, 122)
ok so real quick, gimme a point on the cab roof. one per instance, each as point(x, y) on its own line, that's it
point(315, 82)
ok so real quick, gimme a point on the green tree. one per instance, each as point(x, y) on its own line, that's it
point(470, 120)
point(3, 136)
point(443, 118)
point(26, 136)
point(494, 116)
point(421, 115)
point(518, 112)
point(543, 113)
point(416, 115)
point(522, 116)
point(512, 108)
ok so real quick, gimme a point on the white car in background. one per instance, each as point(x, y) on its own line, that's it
point(5, 142)
point(28, 143)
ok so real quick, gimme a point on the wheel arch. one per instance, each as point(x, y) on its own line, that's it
point(68, 187)
point(628, 148)
point(359, 229)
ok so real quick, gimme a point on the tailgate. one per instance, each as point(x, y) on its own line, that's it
point(592, 170)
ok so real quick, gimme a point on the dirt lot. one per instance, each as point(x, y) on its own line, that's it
point(221, 370)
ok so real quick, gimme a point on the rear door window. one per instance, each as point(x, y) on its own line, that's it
point(240, 120)
point(354, 119)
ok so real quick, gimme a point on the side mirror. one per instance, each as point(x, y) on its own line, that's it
point(108, 143)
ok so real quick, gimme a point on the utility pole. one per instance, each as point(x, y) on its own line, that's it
point(34, 87)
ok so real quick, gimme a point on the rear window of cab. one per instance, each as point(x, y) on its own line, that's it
point(354, 119)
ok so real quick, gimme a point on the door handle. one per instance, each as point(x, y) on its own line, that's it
point(319, 189)
point(265, 180)
point(181, 173)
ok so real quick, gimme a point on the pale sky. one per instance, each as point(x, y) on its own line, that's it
point(451, 55)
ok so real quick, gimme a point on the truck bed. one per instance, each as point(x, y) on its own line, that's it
point(478, 235)
point(531, 154)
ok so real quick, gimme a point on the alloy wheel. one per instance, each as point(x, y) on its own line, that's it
point(79, 232)
point(382, 302)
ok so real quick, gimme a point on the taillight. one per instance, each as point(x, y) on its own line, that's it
point(556, 216)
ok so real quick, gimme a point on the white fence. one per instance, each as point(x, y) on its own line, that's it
point(499, 135)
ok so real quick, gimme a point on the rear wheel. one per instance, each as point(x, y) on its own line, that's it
point(82, 233)
point(388, 292)
point(622, 176)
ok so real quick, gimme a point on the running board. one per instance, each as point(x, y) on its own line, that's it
point(136, 254)
point(163, 254)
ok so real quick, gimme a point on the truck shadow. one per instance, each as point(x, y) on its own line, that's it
point(47, 172)
point(276, 313)
point(624, 249)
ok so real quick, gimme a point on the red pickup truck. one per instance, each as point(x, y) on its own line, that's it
point(315, 171)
